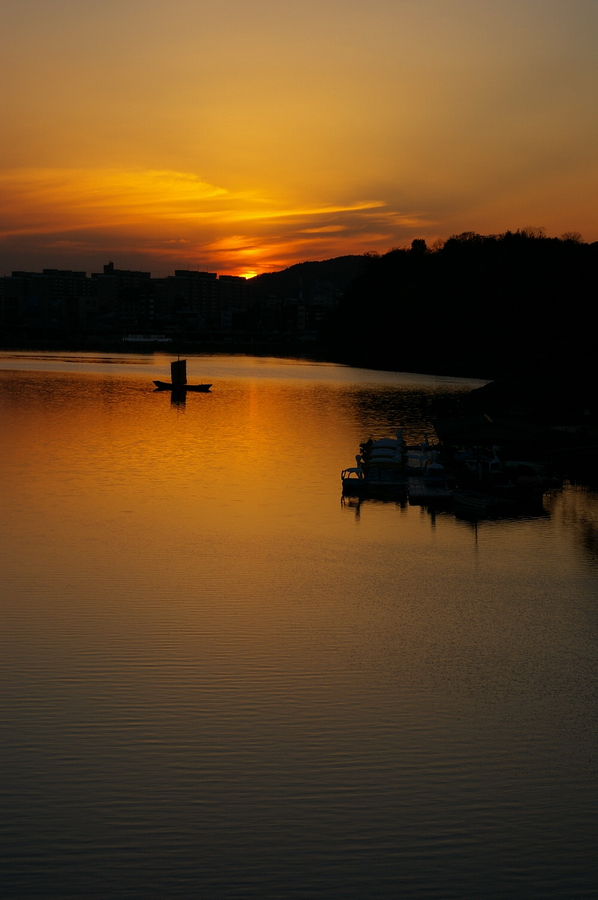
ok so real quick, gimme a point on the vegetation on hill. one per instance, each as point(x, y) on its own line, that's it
point(306, 276)
point(480, 305)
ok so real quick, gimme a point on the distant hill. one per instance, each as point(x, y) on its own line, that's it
point(488, 306)
point(306, 277)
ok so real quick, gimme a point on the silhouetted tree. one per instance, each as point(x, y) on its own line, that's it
point(479, 304)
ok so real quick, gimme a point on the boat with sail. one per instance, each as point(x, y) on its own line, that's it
point(178, 382)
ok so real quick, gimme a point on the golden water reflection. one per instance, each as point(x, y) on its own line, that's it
point(192, 620)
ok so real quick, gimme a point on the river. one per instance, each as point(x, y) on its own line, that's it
point(219, 680)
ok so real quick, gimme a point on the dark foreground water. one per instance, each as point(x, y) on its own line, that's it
point(217, 681)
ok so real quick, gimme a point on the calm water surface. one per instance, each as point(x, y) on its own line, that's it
point(218, 681)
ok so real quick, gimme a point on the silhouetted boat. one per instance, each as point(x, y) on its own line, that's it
point(379, 471)
point(166, 386)
point(178, 374)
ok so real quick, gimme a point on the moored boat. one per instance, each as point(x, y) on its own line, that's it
point(380, 469)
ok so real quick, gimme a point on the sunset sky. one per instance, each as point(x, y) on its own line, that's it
point(243, 136)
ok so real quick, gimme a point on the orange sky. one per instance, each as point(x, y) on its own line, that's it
point(243, 137)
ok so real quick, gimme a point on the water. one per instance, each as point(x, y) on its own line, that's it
point(218, 681)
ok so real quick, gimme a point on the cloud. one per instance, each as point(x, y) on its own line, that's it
point(323, 229)
point(165, 215)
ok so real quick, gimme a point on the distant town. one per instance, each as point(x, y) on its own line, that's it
point(58, 304)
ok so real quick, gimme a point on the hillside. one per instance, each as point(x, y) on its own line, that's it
point(305, 277)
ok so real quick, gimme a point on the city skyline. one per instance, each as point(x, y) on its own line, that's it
point(243, 139)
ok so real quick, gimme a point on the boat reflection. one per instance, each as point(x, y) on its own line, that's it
point(355, 502)
point(177, 397)
point(536, 509)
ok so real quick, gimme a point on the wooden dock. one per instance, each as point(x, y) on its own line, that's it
point(421, 493)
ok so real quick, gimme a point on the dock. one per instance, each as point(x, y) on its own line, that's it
point(421, 493)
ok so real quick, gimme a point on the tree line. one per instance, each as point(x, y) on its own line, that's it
point(480, 305)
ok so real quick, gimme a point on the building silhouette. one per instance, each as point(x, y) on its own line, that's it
point(189, 305)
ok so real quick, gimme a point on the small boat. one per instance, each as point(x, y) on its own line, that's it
point(430, 487)
point(166, 386)
point(178, 374)
point(379, 470)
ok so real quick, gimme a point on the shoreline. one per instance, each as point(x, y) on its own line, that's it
point(281, 349)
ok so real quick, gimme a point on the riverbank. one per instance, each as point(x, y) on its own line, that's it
point(408, 360)
point(278, 348)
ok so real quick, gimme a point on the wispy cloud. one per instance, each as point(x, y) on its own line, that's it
point(165, 215)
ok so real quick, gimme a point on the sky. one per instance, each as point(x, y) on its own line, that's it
point(243, 136)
